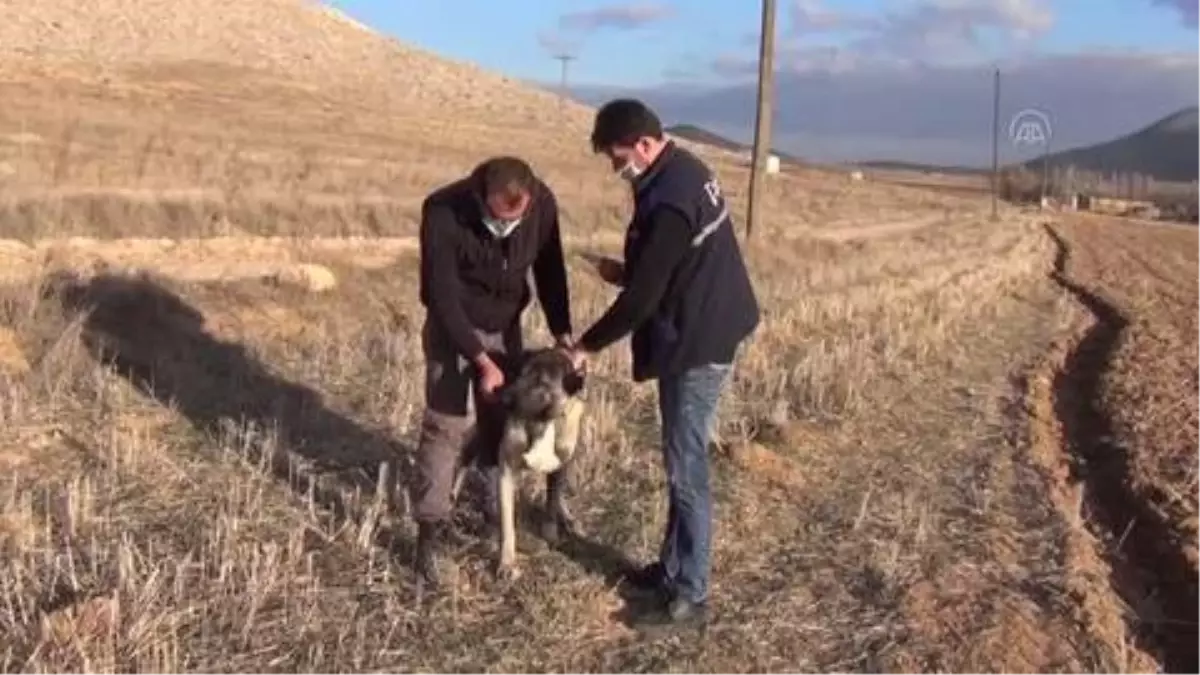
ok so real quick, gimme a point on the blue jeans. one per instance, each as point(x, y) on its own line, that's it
point(688, 404)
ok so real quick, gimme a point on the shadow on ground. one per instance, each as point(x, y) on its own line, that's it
point(156, 340)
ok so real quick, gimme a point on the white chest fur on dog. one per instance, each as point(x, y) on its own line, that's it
point(551, 449)
point(541, 456)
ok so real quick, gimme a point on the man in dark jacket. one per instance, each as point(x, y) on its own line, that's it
point(480, 236)
point(687, 299)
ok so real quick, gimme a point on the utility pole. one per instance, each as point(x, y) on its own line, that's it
point(1045, 172)
point(564, 58)
point(762, 127)
point(995, 143)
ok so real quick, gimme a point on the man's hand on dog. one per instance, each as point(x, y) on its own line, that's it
point(578, 357)
point(491, 377)
point(566, 344)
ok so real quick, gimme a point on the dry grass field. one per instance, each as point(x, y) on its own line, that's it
point(953, 444)
point(974, 184)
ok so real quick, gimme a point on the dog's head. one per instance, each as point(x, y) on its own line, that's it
point(544, 382)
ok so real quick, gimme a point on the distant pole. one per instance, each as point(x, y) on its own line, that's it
point(564, 59)
point(762, 127)
point(1045, 171)
point(995, 144)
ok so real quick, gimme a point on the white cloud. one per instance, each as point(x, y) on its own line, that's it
point(623, 16)
point(574, 27)
point(814, 16)
point(916, 32)
point(1189, 10)
point(558, 43)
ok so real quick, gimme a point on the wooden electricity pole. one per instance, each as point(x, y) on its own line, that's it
point(762, 127)
point(565, 59)
point(995, 143)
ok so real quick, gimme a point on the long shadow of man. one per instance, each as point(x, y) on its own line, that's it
point(157, 341)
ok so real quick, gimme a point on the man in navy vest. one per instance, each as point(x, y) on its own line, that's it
point(687, 299)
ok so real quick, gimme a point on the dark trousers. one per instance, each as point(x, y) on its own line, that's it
point(688, 406)
point(447, 433)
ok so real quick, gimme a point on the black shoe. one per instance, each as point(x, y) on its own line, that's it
point(646, 578)
point(649, 580)
point(678, 614)
point(425, 564)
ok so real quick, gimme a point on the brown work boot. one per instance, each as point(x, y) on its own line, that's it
point(430, 536)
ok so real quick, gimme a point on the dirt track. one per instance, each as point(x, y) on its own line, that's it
point(248, 257)
point(197, 260)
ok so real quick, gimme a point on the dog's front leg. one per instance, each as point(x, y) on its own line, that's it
point(566, 441)
point(507, 568)
point(460, 475)
point(569, 423)
point(558, 519)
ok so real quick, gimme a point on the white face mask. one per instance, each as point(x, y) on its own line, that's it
point(630, 171)
point(500, 228)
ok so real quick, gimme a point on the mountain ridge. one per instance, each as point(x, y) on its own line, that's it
point(1165, 149)
point(702, 136)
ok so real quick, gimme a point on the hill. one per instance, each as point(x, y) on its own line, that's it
point(302, 38)
point(1165, 150)
point(899, 165)
point(708, 138)
point(711, 139)
point(704, 136)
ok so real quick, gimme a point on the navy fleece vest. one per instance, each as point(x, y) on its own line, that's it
point(709, 306)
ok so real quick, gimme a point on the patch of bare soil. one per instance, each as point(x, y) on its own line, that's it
point(1129, 434)
point(282, 260)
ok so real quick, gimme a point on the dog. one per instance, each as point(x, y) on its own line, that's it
point(540, 412)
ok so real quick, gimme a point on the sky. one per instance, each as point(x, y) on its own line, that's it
point(855, 79)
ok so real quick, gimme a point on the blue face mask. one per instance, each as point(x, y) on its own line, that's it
point(500, 228)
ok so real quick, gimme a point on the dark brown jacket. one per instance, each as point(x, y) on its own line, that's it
point(470, 279)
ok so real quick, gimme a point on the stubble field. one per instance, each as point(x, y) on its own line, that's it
point(201, 465)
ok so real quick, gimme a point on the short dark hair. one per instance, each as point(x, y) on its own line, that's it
point(505, 175)
point(622, 122)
